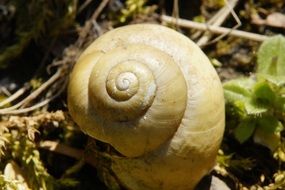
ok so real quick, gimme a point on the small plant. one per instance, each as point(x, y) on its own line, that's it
point(258, 102)
point(134, 9)
point(30, 21)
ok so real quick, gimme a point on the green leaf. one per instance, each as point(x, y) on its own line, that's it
point(269, 124)
point(271, 56)
point(239, 108)
point(244, 130)
point(276, 80)
point(263, 93)
point(280, 107)
point(254, 108)
point(269, 140)
point(238, 89)
point(238, 93)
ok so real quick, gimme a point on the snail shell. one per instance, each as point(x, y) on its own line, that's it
point(153, 95)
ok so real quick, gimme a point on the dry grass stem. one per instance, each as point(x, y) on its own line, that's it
point(83, 6)
point(68, 151)
point(98, 11)
point(14, 96)
point(34, 94)
point(213, 29)
point(62, 149)
point(218, 20)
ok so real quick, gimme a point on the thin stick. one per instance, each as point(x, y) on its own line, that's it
point(175, 11)
point(36, 106)
point(223, 13)
point(220, 17)
point(25, 110)
point(214, 29)
point(34, 94)
point(235, 27)
point(83, 6)
point(5, 91)
point(62, 149)
point(88, 24)
point(14, 96)
point(98, 11)
point(67, 151)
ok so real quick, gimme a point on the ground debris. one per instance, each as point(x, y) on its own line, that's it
point(275, 19)
point(42, 119)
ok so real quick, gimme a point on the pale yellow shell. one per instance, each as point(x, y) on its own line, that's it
point(153, 95)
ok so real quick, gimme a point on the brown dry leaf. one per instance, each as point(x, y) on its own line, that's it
point(274, 19)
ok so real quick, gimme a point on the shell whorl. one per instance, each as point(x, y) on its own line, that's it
point(154, 96)
point(136, 95)
point(121, 90)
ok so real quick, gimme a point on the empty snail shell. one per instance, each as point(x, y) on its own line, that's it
point(153, 95)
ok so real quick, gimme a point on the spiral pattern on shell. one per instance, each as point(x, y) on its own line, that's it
point(153, 95)
point(131, 89)
point(126, 88)
point(134, 82)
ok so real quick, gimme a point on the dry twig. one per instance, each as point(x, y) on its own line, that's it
point(218, 20)
point(14, 96)
point(68, 151)
point(88, 24)
point(33, 95)
point(213, 29)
